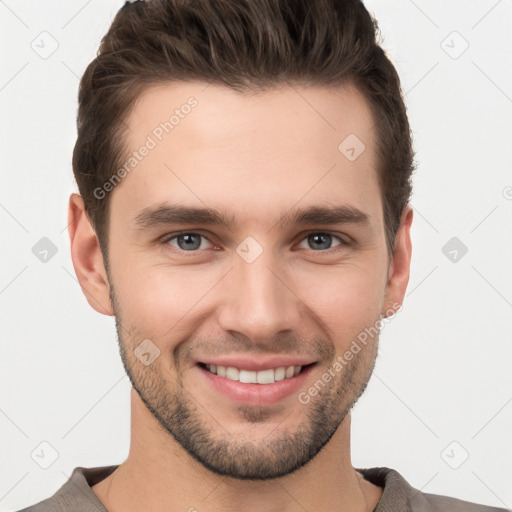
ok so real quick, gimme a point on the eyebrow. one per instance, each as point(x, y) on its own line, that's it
point(164, 214)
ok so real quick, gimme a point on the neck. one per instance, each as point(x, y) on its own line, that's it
point(159, 475)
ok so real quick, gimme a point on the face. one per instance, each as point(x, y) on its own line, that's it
point(290, 264)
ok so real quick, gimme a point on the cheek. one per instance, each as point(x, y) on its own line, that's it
point(160, 301)
point(345, 299)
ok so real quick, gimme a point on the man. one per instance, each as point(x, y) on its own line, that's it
point(244, 172)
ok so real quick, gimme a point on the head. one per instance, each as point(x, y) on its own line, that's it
point(284, 122)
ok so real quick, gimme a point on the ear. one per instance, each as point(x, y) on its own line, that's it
point(87, 258)
point(399, 266)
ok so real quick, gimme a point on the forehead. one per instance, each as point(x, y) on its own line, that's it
point(252, 154)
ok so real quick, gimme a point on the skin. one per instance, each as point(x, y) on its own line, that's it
point(254, 156)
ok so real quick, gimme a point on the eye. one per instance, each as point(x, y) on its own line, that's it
point(319, 241)
point(322, 240)
point(186, 241)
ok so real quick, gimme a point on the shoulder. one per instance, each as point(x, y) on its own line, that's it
point(400, 496)
point(435, 502)
point(75, 495)
point(47, 505)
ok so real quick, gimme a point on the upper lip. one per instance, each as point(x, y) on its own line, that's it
point(252, 364)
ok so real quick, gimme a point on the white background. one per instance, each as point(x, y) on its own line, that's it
point(444, 370)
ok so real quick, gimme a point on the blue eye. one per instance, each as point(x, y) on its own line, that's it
point(187, 241)
point(318, 241)
point(322, 240)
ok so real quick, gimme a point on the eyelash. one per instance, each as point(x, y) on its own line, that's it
point(341, 246)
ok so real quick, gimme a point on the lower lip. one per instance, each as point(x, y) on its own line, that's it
point(257, 394)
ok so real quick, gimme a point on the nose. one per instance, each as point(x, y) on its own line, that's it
point(259, 301)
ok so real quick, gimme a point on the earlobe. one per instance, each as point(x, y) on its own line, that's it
point(399, 266)
point(87, 258)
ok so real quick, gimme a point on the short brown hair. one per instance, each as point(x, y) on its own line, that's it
point(244, 45)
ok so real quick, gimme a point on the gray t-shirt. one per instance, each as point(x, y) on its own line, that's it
point(76, 494)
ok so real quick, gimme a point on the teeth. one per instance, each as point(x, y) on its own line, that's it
point(251, 377)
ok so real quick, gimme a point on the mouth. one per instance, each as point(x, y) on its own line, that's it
point(263, 377)
point(264, 388)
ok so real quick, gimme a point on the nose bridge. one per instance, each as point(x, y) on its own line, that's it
point(259, 302)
